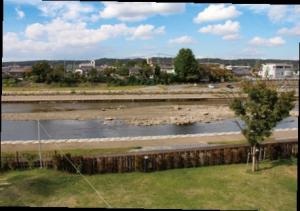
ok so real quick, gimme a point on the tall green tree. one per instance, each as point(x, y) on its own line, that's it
point(261, 110)
point(157, 71)
point(186, 66)
point(40, 71)
point(56, 74)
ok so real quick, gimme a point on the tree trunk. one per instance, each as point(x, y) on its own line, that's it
point(258, 154)
point(253, 159)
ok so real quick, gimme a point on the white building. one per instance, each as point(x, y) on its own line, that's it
point(91, 64)
point(167, 69)
point(276, 71)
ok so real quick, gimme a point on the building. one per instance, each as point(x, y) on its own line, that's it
point(165, 64)
point(15, 71)
point(276, 71)
point(167, 69)
point(87, 66)
point(239, 70)
point(105, 66)
point(222, 66)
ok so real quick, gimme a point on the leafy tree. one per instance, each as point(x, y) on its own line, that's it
point(109, 71)
point(95, 76)
point(145, 70)
point(56, 74)
point(131, 63)
point(262, 109)
point(71, 79)
point(123, 70)
point(186, 65)
point(40, 71)
point(157, 71)
point(215, 73)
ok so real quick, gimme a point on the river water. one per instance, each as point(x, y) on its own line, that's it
point(66, 129)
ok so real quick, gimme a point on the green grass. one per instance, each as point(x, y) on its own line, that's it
point(242, 141)
point(225, 187)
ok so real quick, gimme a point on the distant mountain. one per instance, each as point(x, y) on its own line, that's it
point(111, 61)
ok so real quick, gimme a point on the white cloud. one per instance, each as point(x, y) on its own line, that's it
point(146, 32)
point(276, 13)
point(294, 31)
point(65, 10)
point(231, 37)
point(136, 11)
point(274, 41)
point(58, 36)
point(20, 13)
point(59, 9)
point(229, 27)
point(257, 8)
point(182, 40)
point(216, 12)
point(229, 30)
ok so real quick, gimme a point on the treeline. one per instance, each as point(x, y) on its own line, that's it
point(133, 72)
point(111, 61)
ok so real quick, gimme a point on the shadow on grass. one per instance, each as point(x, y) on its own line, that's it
point(279, 162)
point(43, 184)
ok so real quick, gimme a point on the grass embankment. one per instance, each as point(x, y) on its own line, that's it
point(225, 187)
point(73, 152)
point(56, 87)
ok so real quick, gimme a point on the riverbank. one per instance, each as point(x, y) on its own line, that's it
point(136, 142)
point(143, 115)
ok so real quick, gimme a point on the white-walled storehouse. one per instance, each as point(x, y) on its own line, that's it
point(276, 71)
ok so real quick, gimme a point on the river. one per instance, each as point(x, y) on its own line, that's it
point(66, 129)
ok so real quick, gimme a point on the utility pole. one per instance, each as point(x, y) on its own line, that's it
point(39, 138)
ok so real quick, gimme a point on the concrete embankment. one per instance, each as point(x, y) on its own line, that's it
point(142, 141)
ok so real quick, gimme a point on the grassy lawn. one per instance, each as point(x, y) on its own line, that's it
point(225, 187)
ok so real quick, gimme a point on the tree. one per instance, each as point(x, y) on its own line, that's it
point(123, 70)
point(186, 65)
point(157, 71)
point(56, 74)
point(40, 71)
point(215, 73)
point(262, 109)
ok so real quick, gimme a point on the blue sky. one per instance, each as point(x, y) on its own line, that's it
point(88, 30)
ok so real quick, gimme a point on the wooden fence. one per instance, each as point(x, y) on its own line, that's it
point(163, 160)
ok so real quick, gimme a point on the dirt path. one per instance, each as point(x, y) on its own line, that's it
point(140, 143)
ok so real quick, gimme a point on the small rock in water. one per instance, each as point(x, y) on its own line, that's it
point(108, 118)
